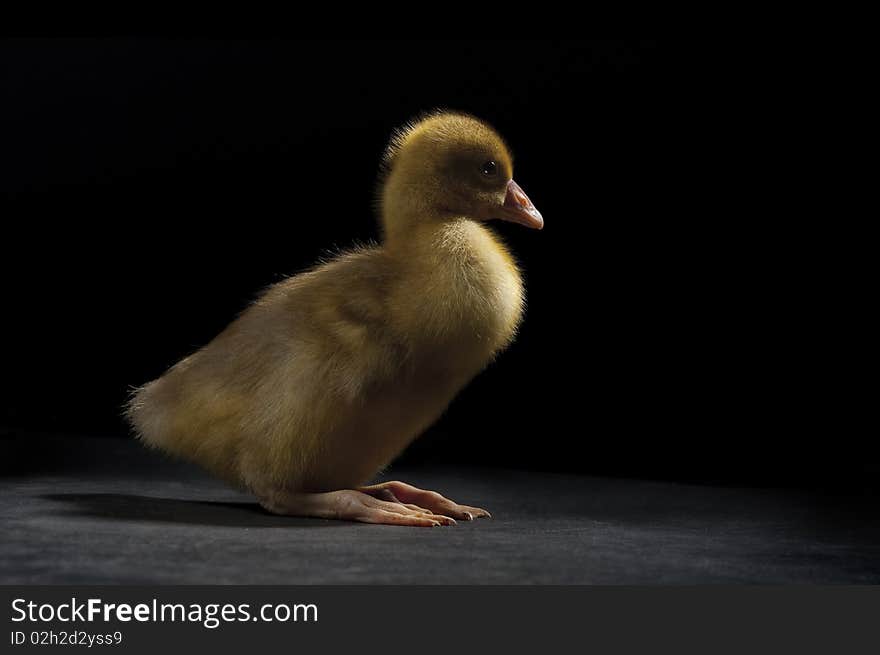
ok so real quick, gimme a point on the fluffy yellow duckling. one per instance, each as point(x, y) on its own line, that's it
point(332, 373)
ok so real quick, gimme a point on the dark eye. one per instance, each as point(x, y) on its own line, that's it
point(489, 168)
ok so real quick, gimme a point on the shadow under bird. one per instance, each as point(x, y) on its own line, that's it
point(331, 373)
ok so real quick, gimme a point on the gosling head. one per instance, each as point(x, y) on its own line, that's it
point(450, 166)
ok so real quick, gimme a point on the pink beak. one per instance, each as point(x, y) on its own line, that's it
point(518, 208)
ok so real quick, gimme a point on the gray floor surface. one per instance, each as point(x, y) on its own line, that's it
point(95, 511)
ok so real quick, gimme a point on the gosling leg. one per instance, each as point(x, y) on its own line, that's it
point(426, 501)
point(349, 505)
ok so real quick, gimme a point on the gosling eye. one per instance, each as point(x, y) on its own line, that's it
point(489, 169)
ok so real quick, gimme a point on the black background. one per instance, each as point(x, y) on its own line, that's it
point(676, 323)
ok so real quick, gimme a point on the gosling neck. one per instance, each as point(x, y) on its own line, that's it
point(403, 229)
point(411, 209)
